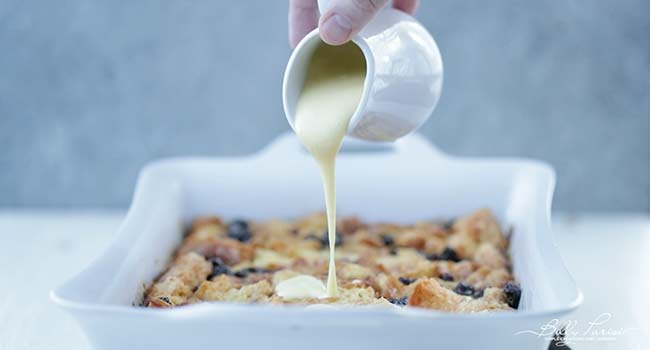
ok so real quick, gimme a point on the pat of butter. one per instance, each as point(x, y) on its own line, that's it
point(301, 287)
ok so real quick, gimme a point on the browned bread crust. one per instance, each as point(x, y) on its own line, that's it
point(459, 266)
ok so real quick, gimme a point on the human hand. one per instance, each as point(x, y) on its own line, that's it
point(343, 19)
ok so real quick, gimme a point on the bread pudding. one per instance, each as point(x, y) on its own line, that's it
point(459, 265)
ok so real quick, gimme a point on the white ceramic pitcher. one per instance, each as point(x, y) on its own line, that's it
point(403, 76)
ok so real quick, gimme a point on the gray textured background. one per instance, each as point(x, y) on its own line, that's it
point(91, 90)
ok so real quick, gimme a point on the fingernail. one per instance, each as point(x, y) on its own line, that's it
point(336, 30)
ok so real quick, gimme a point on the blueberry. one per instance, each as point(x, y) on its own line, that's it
point(387, 240)
point(257, 270)
point(449, 224)
point(238, 229)
point(464, 289)
point(392, 251)
point(446, 277)
point(399, 301)
point(241, 273)
point(315, 238)
point(449, 254)
point(406, 281)
point(513, 294)
point(238, 225)
point(478, 294)
point(324, 239)
point(432, 257)
point(217, 261)
point(218, 268)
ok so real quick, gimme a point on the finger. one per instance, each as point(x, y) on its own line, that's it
point(303, 18)
point(408, 6)
point(345, 18)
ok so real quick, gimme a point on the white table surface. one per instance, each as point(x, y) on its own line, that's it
point(608, 254)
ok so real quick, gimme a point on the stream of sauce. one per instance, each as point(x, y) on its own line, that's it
point(330, 96)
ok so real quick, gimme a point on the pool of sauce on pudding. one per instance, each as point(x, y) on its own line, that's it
point(330, 95)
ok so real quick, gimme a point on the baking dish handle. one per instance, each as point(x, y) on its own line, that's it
point(413, 146)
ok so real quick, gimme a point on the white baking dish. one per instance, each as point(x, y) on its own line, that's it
point(404, 182)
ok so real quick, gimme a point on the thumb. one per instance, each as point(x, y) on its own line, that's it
point(346, 18)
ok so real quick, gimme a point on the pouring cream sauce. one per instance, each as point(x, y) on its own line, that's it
point(330, 96)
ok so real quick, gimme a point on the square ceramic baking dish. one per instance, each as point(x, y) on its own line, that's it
point(402, 182)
